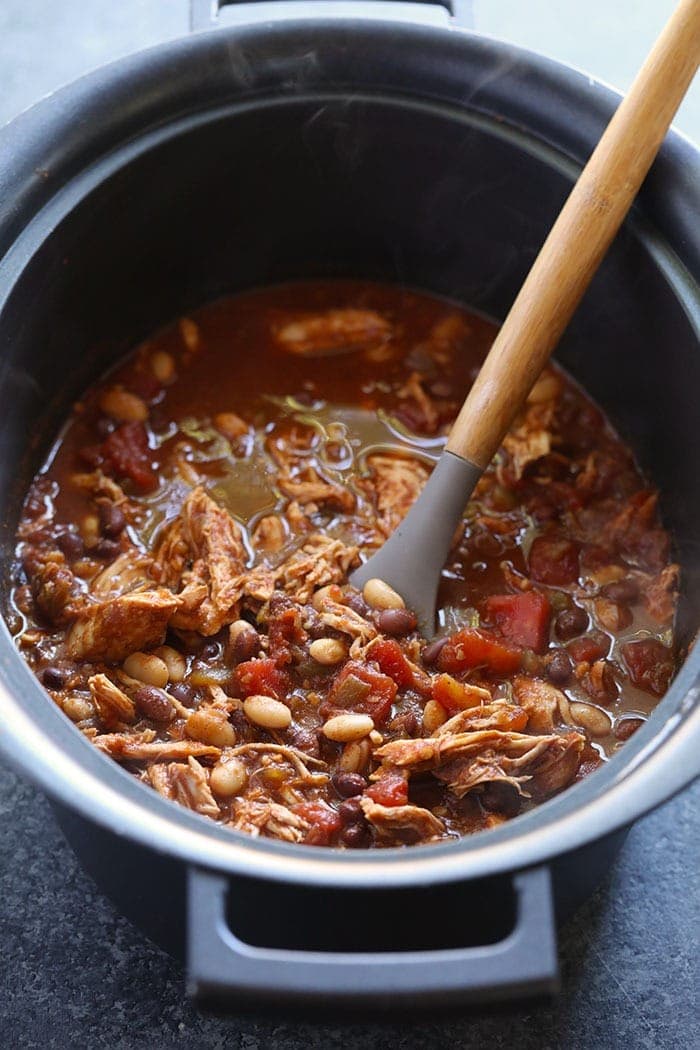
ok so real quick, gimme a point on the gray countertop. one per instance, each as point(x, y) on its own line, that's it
point(73, 973)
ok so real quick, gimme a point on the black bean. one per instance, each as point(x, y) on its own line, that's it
point(71, 544)
point(431, 652)
point(348, 784)
point(571, 622)
point(559, 667)
point(357, 603)
point(304, 740)
point(53, 677)
point(184, 692)
point(355, 836)
point(112, 520)
point(154, 703)
point(245, 645)
point(210, 651)
point(502, 798)
point(625, 727)
point(350, 811)
point(107, 549)
point(623, 592)
point(396, 621)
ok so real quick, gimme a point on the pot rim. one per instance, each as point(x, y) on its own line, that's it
point(660, 759)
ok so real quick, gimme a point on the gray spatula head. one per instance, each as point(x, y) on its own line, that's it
point(412, 558)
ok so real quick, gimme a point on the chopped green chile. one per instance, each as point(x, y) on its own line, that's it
point(255, 452)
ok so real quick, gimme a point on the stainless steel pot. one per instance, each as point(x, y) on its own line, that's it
point(386, 150)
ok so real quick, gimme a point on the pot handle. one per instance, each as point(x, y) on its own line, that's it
point(221, 967)
point(204, 13)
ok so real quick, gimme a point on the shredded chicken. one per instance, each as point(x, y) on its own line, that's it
point(201, 556)
point(408, 823)
point(113, 629)
point(130, 571)
point(395, 483)
point(143, 747)
point(319, 561)
point(332, 332)
point(269, 535)
point(344, 619)
point(541, 702)
point(113, 706)
point(660, 593)
point(412, 390)
point(186, 784)
point(464, 760)
point(270, 819)
point(531, 438)
point(308, 486)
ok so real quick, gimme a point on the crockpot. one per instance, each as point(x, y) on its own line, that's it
point(373, 148)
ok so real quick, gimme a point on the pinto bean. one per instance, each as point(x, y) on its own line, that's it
point(595, 721)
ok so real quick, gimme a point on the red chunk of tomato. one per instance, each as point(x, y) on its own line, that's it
point(521, 618)
point(476, 647)
point(391, 661)
point(362, 689)
point(390, 790)
point(262, 678)
point(324, 820)
point(126, 449)
point(553, 560)
point(650, 665)
point(589, 648)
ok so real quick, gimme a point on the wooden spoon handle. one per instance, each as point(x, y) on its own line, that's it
point(579, 239)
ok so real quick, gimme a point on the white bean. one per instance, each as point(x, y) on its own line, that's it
point(346, 728)
point(434, 715)
point(174, 661)
point(597, 722)
point(379, 595)
point(266, 712)
point(328, 651)
point(228, 778)
point(146, 667)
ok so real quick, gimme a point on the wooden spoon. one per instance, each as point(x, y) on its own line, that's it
point(412, 558)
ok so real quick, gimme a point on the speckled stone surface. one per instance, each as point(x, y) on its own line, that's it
point(73, 973)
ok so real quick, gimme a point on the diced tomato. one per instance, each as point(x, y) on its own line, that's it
point(590, 647)
point(650, 665)
point(324, 821)
point(553, 560)
point(476, 647)
point(521, 618)
point(127, 451)
point(262, 678)
point(391, 660)
point(284, 629)
point(391, 790)
point(452, 695)
point(364, 690)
